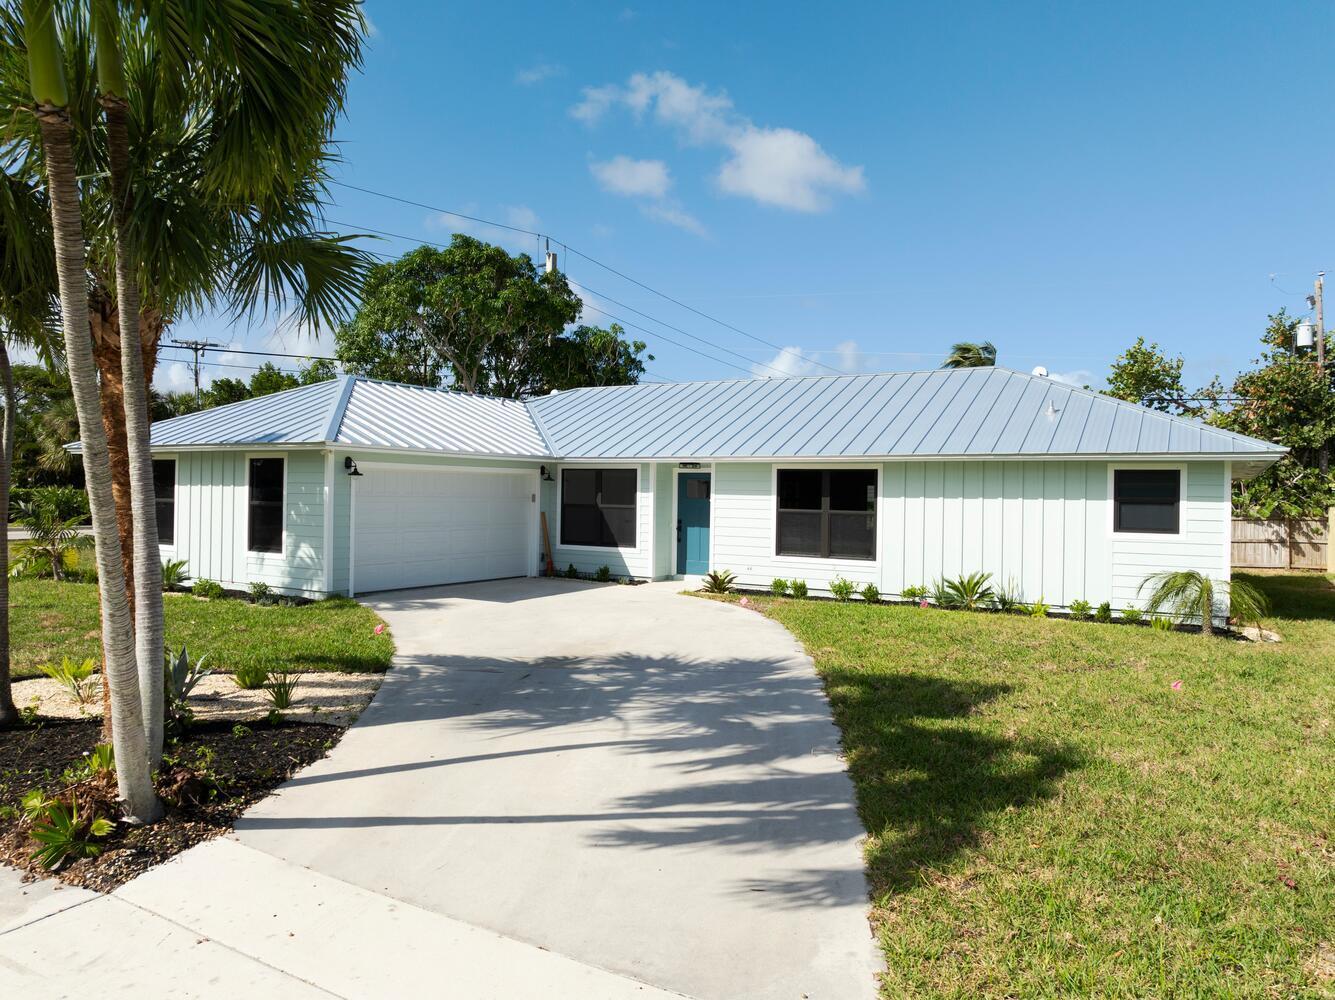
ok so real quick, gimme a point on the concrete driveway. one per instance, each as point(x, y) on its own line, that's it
point(561, 790)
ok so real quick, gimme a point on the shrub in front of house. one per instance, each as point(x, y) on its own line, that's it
point(1081, 610)
point(1104, 612)
point(967, 593)
point(871, 594)
point(604, 574)
point(778, 587)
point(915, 593)
point(799, 588)
point(841, 589)
point(718, 581)
point(207, 589)
point(1132, 616)
point(1039, 609)
point(571, 572)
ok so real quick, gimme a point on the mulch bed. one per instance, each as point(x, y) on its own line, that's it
point(212, 774)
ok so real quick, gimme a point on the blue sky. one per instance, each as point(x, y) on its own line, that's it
point(864, 183)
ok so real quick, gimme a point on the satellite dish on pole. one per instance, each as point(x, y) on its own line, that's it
point(1040, 371)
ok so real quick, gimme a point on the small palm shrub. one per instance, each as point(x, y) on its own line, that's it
point(54, 540)
point(173, 574)
point(282, 689)
point(914, 593)
point(207, 589)
point(778, 587)
point(871, 594)
point(100, 760)
point(604, 574)
point(799, 589)
point(64, 833)
point(250, 676)
point(1081, 610)
point(1038, 609)
point(1161, 623)
point(75, 677)
point(718, 581)
point(1132, 616)
point(1104, 613)
point(1188, 594)
point(841, 589)
point(968, 593)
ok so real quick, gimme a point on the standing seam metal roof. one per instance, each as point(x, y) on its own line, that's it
point(973, 412)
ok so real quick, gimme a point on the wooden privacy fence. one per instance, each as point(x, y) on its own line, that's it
point(1282, 543)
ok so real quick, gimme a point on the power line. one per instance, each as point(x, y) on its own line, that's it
point(592, 260)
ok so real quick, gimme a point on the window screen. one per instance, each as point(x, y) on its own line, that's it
point(598, 507)
point(164, 490)
point(1147, 500)
point(266, 505)
point(829, 513)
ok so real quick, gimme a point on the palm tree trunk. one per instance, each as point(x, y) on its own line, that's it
point(147, 571)
point(133, 774)
point(7, 711)
point(102, 323)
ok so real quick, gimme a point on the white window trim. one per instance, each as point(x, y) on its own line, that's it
point(820, 561)
point(1148, 536)
point(705, 469)
point(170, 549)
point(282, 552)
point(638, 547)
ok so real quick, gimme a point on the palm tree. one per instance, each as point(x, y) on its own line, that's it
point(967, 354)
point(1189, 594)
point(52, 538)
point(51, 96)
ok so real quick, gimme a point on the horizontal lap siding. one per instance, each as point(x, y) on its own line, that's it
point(1203, 545)
point(638, 562)
point(743, 536)
point(1035, 526)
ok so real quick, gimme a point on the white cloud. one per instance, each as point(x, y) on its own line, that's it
point(675, 216)
point(538, 73)
point(844, 357)
point(774, 166)
point(177, 376)
point(1078, 378)
point(521, 216)
point(624, 176)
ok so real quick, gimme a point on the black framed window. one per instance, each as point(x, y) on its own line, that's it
point(598, 507)
point(827, 513)
point(1147, 500)
point(265, 505)
point(164, 492)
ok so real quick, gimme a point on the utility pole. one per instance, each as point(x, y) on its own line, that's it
point(197, 348)
point(1320, 324)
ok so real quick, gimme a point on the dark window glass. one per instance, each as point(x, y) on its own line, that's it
point(598, 507)
point(1147, 500)
point(266, 505)
point(830, 513)
point(164, 490)
point(697, 489)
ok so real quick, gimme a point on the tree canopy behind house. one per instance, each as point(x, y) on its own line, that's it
point(477, 319)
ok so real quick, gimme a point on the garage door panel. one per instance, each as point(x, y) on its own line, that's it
point(418, 528)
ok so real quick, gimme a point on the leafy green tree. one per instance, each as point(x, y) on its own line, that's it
point(589, 355)
point(1144, 374)
point(470, 313)
point(967, 354)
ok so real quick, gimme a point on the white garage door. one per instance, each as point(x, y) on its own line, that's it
point(422, 527)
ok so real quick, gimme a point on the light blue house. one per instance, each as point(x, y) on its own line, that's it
point(900, 479)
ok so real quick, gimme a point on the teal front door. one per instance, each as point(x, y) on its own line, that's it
point(693, 523)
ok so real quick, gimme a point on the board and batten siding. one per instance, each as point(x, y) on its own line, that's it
point(1043, 528)
point(638, 562)
point(211, 521)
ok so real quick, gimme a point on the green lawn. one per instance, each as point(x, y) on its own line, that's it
point(1048, 817)
point(51, 620)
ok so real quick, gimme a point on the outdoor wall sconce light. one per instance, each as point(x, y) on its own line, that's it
point(351, 466)
point(546, 476)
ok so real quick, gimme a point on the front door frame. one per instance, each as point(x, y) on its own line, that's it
point(706, 468)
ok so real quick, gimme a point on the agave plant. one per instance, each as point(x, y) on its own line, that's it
point(718, 581)
point(968, 593)
point(1189, 594)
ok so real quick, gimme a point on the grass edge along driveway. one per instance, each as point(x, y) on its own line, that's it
point(1049, 816)
point(50, 620)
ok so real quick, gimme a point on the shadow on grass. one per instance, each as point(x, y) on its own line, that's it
point(1295, 596)
point(929, 784)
